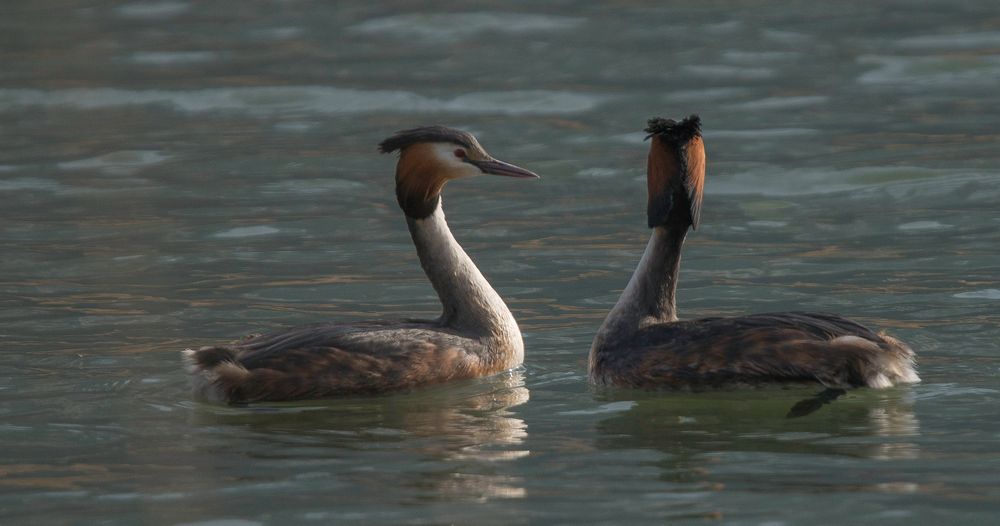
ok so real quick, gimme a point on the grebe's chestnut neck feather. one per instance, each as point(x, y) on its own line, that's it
point(675, 172)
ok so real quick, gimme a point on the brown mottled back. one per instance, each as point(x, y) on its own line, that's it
point(319, 361)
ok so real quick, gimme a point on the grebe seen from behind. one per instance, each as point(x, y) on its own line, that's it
point(476, 335)
point(642, 344)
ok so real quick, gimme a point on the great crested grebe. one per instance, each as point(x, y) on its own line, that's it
point(642, 344)
point(476, 335)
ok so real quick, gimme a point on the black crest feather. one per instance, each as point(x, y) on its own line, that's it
point(403, 138)
point(673, 131)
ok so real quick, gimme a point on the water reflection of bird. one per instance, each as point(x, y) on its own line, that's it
point(642, 343)
point(452, 439)
point(476, 335)
point(695, 429)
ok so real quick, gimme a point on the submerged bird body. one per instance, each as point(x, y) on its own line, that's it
point(476, 335)
point(642, 343)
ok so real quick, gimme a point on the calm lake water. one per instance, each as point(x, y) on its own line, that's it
point(179, 173)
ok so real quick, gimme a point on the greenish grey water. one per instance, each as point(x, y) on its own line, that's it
point(179, 173)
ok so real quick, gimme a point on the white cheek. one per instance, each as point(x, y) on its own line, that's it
point(458, 168)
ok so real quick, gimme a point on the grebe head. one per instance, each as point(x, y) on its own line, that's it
point(675, 171)
point(431, 156)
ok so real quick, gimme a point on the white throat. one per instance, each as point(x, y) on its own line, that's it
point(471, 306)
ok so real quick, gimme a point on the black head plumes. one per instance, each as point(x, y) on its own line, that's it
point(675, 172)
point(673, 131)
point(403, 138)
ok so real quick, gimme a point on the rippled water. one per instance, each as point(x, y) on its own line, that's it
point(181, 173)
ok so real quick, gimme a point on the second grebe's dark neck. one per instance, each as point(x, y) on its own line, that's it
point(653, 286)
point(649, 297)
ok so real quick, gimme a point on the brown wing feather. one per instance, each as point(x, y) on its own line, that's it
point(319, 361)
point(758, 349)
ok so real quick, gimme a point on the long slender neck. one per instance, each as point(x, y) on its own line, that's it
point(470, 304)
point(649, 296)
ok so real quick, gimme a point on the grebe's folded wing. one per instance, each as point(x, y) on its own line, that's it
point(772, 348)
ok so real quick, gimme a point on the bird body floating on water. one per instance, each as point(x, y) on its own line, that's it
point(643, 344)
point(475, 336)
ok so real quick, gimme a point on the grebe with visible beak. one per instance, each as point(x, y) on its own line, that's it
point(642, 344)
point(475, 336)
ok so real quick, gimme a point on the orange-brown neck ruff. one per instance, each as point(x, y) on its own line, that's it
point(675, 172)
point(419, 181)
point(419, 174)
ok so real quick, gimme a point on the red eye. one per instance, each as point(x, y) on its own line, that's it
point(460, 153)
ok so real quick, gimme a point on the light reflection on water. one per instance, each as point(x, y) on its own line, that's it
point(169, 180)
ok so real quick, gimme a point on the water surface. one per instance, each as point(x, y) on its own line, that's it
point(181, 173)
